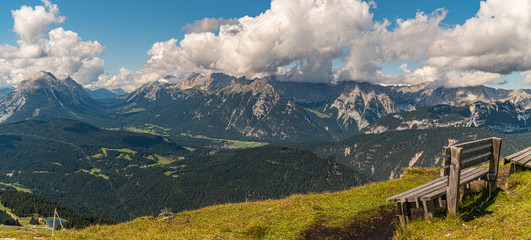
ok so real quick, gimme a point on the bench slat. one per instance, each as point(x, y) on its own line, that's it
point(467, 152)
point(469, 163)
point(446, 156)
point(473, 144)
point(403, 195)
point(422, 189)
point(473, 175)
point(465, 174)
point(469, 149)
point(470, 152)
point(476, 160)
point(526, 161)
point(510, 157)
point(521, 157)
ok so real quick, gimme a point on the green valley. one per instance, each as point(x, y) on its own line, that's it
point(136, 174)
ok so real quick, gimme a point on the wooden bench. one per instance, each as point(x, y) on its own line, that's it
point(444, 191)
point(521, 158)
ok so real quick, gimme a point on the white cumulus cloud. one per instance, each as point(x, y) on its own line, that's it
point(59, 51)
point(298, 40)
point(489, 45)
point(308, 34)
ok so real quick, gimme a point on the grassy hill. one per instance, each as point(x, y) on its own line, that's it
point(359, 212)
point(506, 215)
point(346, 214)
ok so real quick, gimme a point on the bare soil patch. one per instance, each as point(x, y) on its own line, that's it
point(366, 225)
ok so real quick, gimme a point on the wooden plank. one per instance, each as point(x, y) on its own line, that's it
point(473, 161)
point(469, 163)
point(470, 152)
point(440, 190)
point(445, 171)
point(521, 157)
point(452, 194)
point(416, 196)
point(400, 214)
point(471, 175)
point(527, 161)
point(397, 197)
point(429, 209)
point(478, 173)
point(416, 191)
point(473, 144)
point(524, 162)
point(446, 156)
point(438, 186)
point(494, 163)
point(510, 157)
point(406, 213)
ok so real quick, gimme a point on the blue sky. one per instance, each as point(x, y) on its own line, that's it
point(128, 29)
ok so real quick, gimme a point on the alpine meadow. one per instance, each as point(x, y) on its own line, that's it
point(269, 119)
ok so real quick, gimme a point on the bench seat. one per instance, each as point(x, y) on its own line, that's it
point(521, 158)
point(431, 194)
point(437, 187)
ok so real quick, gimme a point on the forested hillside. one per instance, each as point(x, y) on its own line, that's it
point(384, 156)
point(121, 175)
point(23, 204)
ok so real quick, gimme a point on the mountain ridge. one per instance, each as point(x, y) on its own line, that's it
point(262, 109)
point(44, 96)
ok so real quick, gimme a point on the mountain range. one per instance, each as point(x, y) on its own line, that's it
point(268, 110)
point(329, 137)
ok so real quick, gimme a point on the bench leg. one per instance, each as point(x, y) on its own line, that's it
point(404, 213)
point(515, 168)
point(491, 185)
point(429, 209)
point(466, 190)
point(440, 202)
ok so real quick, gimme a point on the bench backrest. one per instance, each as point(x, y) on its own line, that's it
point(474, 153)
point(464, 155)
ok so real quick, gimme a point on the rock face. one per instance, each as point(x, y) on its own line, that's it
point(214, 81)
point(45, 96)
point(266, 109)
point(253, 110)
point(505, 117)
point(361, 107)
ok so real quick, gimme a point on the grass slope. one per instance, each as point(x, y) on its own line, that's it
point(344, 214)
point(504, 216)
point(358, 212)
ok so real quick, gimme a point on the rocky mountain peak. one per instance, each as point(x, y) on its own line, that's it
point(148, 90)
point(210, 82)
point(38, 80)
point(43, 90)
point(43, 75)
point(47, 81)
